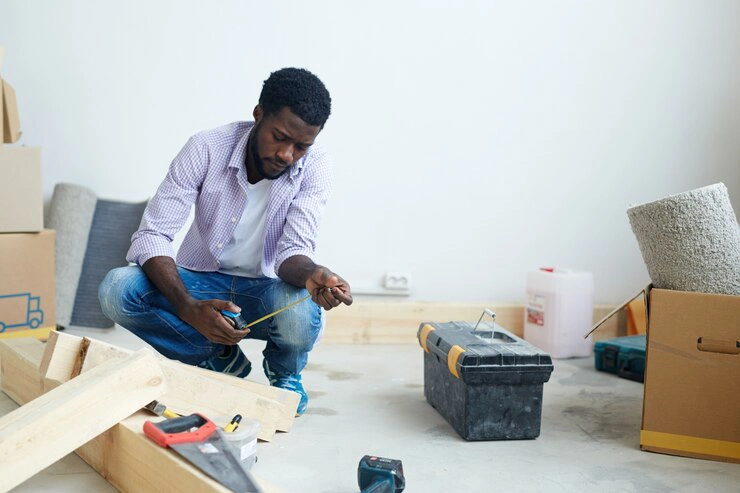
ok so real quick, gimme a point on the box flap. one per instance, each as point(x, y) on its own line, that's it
point(643, 292)
point(2, 114)
point(2, 57)
point(11, 120)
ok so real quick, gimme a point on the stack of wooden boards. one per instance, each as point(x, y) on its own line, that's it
point(98, 413)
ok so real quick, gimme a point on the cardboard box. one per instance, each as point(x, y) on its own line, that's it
point(21, 197)
point(2, 105)
point(11, 119)
point(10, 124)
point(692, 385)
point(27, 294)
point(691, 403)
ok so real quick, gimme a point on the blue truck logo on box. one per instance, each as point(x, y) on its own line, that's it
point(20, 310)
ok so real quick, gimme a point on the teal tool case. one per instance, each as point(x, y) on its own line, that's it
point(484, 380)
point(624, 356)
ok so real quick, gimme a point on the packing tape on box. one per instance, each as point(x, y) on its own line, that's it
point(690, 241)
point(705, 446)
point(71, 214)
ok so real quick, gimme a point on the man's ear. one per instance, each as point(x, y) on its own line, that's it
point(257, 113)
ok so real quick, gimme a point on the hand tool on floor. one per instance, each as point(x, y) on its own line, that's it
point(242, 324)
point(160, 409)
point(198, 440)
point(380, 475)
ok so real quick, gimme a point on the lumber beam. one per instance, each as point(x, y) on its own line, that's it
point(396, 322)
point(289, 400)
point(38, 434)
point(190, 389)
point(19, 377)
point(102, 352)
point(123, 455)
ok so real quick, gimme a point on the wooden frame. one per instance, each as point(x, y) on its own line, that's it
point(190, 390)
point(122, 455)
point(36, 435)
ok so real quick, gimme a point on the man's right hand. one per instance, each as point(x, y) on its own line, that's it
point(205, 316)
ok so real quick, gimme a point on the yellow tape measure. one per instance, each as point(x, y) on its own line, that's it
point(275, 312)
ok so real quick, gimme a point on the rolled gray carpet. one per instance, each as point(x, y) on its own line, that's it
point(71, 214)
point(690, 241)
point(110, 237)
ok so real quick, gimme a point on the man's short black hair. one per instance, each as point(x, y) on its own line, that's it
point(299, 90)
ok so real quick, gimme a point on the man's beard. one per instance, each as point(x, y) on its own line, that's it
point(258, 162)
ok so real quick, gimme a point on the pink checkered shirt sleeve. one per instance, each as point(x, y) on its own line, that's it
point(168, 210)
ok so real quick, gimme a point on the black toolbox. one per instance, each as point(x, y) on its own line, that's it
point(485, 381)
point(624, 356)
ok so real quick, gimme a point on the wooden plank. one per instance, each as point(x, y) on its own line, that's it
point(396, 322)
point(38, 434)
point(123, 455)
point(190, 389)
point(219, 400)
point(288, 400)
point(18, 362)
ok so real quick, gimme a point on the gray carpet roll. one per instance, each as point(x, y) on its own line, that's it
point(110, 238)
point(71, 214)
point(690, 241)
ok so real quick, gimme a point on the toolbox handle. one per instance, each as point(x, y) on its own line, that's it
point(487, 311)
point(718, 346)
point(625, 371)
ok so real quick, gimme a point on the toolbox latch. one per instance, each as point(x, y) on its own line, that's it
point(424, 336)
point(452, 357)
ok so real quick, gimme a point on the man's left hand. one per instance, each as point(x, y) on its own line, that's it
point(327, 289)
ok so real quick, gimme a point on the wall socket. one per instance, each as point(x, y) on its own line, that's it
point(397, 282)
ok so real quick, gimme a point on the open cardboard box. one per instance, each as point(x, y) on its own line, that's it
point(691, 403)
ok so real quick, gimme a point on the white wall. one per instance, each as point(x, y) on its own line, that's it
point(473, 140)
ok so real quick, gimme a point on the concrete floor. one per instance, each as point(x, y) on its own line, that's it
point(369, 400)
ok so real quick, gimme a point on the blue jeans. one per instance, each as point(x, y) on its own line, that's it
point(128, 297)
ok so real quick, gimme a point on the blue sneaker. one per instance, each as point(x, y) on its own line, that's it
point(231, 361)
point(290, 382)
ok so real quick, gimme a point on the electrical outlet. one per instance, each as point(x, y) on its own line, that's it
point(397, 282)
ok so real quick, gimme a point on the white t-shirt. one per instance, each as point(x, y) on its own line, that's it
point(242, 256)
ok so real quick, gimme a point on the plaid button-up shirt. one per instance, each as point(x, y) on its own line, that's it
point(210, 172)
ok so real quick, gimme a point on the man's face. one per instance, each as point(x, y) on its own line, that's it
point(278, 141)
